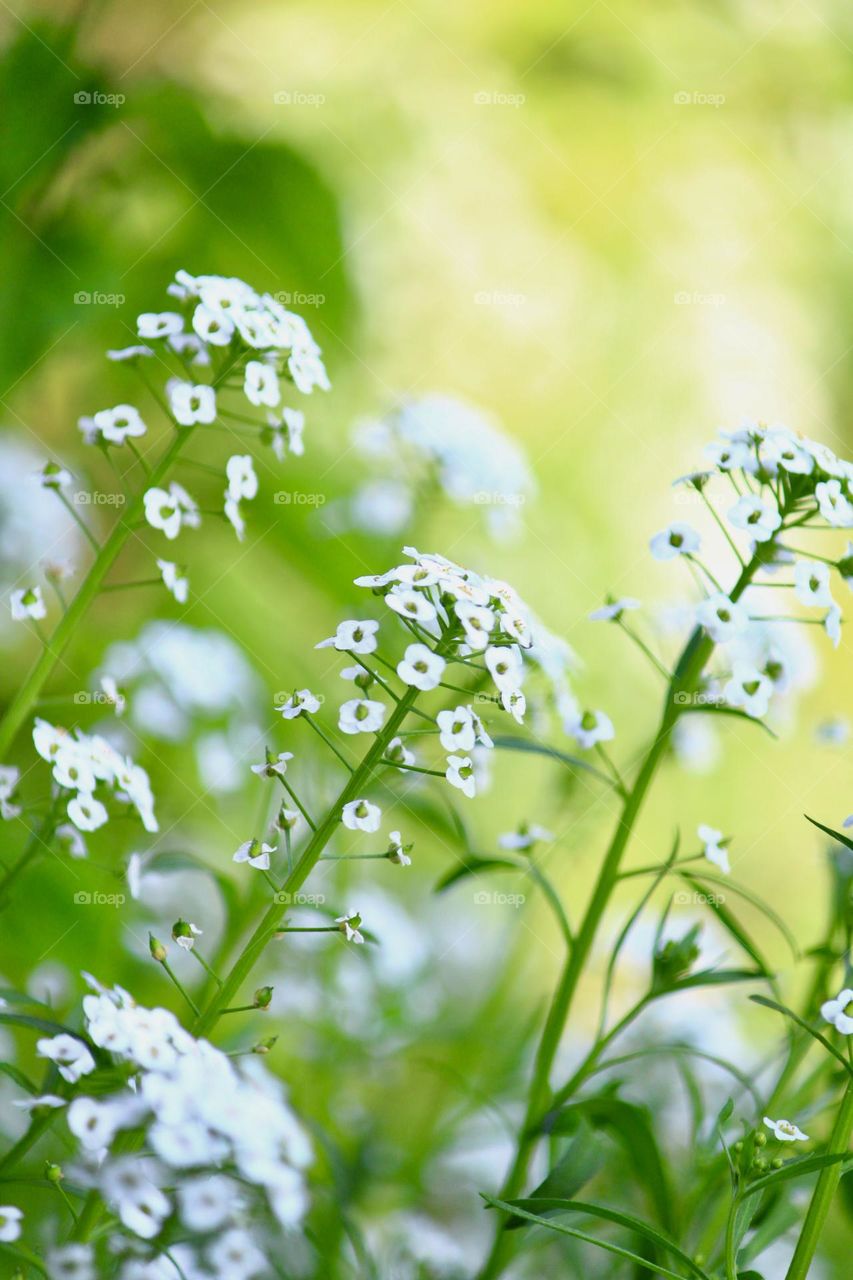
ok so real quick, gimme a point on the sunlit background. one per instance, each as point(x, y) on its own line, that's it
point(612, 227)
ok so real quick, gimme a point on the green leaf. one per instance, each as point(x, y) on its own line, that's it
point(836, 835)
point(716, 978)
point(795, 1169)
point(633, 1127)
point(754, 900)
point(517, 1207)
point(40, 1024)
point(22, 1081)
point(727, 920)
point(509, 742)
point(581, 1161)
point(474, 866)
point(801, 1022)
point(710, 708)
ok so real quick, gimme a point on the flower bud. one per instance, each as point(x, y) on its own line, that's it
point(53, 1172)
point(262, 997)
point(264, 1046)
point(158, 951)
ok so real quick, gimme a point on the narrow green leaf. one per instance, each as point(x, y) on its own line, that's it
point(580, 1162)
point(716, 978)
point(474, 865)
point(801, 1022)
point(710, 708)
point(22, 1081)
point(755, 901)
point(510, 743)
point(795, 1169)
point(836, 835)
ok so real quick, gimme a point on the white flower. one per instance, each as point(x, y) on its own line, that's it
point(750, 689)
point(396, 851)
point(676, 539)
point(835, 1011)
point(411, 604)
point(713, 847)
point(9, 777)
point(171, 510)
point(353, 637)
point(301, 700)
point(28, 603)
point(117, 424)
point(50, 1100)
point(835, 507)
point(361, 715)
point(613, 610)
point(349, 926)
point(832, 625)
point(159, 325)
point(71, 1262)
point(525, 837)
point(86, 812)
point(812, 583)
point(361, 815)
point(591, 727)
point(729, 456)
point(308, 371)
point(261, 384)
point(141, 1205)
point(185, 934)
point(460, 774)
point(399, 753)
point(477, 622)
point(191, 402)
point(506, 666)
point(721, 618)
point(213, 326)
point(759, 518)
point(785, 1131)
point(71, 1056)
point(273, 765)
point(174, 581)
point(457, 731)
point(242, 481)
point(10, 1223)
point(113, 694)
point(421, 668)
point(234, 518)
point(248, 852)
point(53, 476)
point(94, 1123)
point(206, 1202)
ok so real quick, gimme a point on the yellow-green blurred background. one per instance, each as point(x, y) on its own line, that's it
point(615, 226)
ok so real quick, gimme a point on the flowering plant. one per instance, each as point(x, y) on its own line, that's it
point(171, 1146)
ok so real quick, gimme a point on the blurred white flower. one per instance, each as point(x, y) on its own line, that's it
point(361, 815)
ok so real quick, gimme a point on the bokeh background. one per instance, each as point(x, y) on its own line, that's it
point(615, 228)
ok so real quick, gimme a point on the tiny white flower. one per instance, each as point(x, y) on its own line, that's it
point(514, 701)
point(70, 840)
point(71, 1056)
point(169, 510)
point(274, 765)
point(361, 715)
point(525, 837)
point(185, 934)
point(113, 695)
point(361, 815)
point(71, 1262)
point(213, 326)
point(87, 813)
point(785, 1130)
point(174, 581)
point(456, 729)
point(206, 1201)
point(421, 668)
point(460, 774)
point(590, 727)
point(350, 926)
point(836, 1012)
point(28, 602)
point(53, 476)
point(729, 456)
point(242, 481)
point(94, 1123)
point(191, 402)
point(506, 666)
point(835, 506)
point(10, 1223)
point(750, 689)
point(399, 753)
point(301, 700)
point(758, 517)
point(411, 604)
point(308, 371)
point(397, 852)
point(713, 847)
point(677, 539)
point(812, 583)
point(477, 622)
point(353, 637)
point(234, 517)
point(261, 384)
point(49, 1100)
point(832, 625)
point(613, 610)
point(259, 858)
point(722, 618)
point(120, 423)
point(159, 324)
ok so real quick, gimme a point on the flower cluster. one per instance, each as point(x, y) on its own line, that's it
point(82, 763)
point(223, 1151)
point(440, 440)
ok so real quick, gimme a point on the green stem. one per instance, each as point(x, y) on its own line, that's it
point(21, 705)
point(685, 679)
point(824, 1191)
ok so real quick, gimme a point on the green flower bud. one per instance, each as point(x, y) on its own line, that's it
point(262, 997)
point(158, 951)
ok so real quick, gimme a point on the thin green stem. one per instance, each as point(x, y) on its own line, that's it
point(328, 741)
point(177, 982)
point(79, 521)
point(825, 1188)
